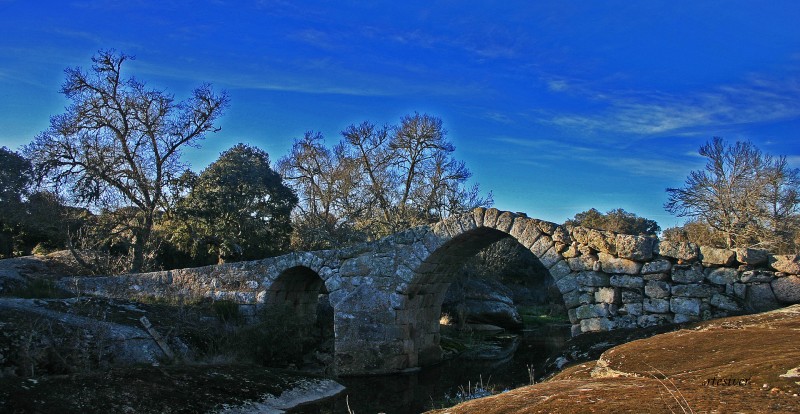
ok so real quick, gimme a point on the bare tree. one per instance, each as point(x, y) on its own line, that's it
point(750, 197)
point(118, 143)
point(377, 180)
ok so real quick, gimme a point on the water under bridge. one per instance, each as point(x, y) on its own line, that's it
point(387, 294)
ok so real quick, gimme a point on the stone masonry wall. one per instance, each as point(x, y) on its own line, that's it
point(387, 294)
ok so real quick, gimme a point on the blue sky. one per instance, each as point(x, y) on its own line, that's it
point(555, 106)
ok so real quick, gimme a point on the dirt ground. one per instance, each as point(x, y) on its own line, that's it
point(746, 364)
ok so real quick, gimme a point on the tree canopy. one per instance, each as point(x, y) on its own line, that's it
point(751, 198)
point(119, 143)
point(376, 181)
point(617, 220)
point(236, 209)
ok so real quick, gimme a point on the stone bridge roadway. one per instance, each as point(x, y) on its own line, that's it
point(387, 294)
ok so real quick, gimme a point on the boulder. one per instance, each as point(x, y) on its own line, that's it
point(483, 301)
point(787, 289)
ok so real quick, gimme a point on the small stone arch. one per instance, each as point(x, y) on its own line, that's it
point(297, 287)
point(449, 244)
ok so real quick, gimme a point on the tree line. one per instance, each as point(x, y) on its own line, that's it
point(106, 181)
point(109, 171)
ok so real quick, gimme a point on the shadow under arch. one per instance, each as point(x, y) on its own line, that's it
point(427, 289)
point(297, 288)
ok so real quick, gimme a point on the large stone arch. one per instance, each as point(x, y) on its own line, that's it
point(450, 243)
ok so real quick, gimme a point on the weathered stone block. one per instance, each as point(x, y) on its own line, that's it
point(504, 221)
point(546, 227)
point(601, 241)
point(541, 245)
point(550, 257)
point(712, 255)
point(573, 316)
point(694, 290)
point(530, 234)
point(656, 276)
point(787, 289)
point(751, 256)
point(656, 305)
point(586, 297)
point(580, 234)
point(477, 214)
point(626, 281)
point(686, 274)
point(786, 263)
point(625, 322)
point(593, 279)
point(681, 318)
point(740, 290)
point(635, 309)
point(607, 295)
point(724, 302)
point(757, 276)
point(567, 283)
point(639, 248)
point(559, 270)
point(571, 299)
point(683, 251)
point(722, 275)
point(760, 297)
point(688, 306)
point(611, 264)
point(656, 266)
point(586, 250)
point(571, 251)
point(518, 227)
point(599, 310)
point(560, 234)
point(585, 262)
point(596, 325)
point(490, 217)
point(657, 289)
point(631, 296)
point(654, 319)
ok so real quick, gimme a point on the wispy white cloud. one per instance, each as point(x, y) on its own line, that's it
point(656, 113)
point(533, 152)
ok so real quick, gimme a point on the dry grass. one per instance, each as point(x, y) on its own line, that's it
point(759, 347)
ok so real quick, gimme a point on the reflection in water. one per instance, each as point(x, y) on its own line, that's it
point(426, 389)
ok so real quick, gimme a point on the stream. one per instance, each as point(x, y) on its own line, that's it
point(438, 386)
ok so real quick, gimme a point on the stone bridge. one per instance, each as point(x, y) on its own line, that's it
point(387, 294)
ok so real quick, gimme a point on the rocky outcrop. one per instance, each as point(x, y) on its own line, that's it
point(711, 367)
point(112, 342)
